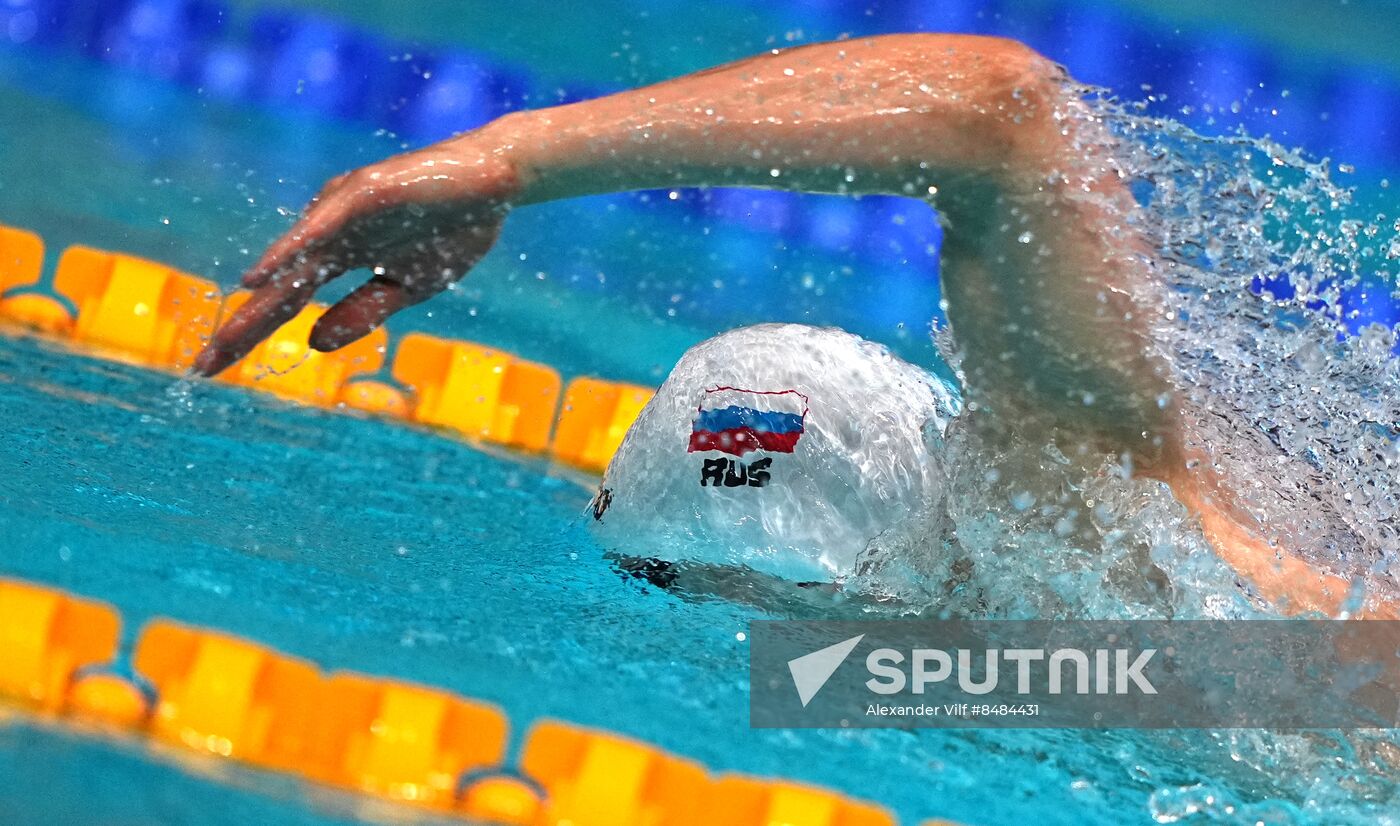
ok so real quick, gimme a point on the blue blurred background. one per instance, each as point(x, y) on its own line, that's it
point(317, 75)
point(1325, 75)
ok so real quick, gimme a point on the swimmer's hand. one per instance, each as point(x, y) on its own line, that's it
point(419, 221)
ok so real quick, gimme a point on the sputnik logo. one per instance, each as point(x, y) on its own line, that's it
point(811, 671)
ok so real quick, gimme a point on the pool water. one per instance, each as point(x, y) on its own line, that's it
point(370, 546)
point(376, 547)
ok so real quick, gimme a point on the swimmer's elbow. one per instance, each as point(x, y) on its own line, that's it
point(1010, 75)
point(1001, 96)
point(1024, 90)
point(1034, 115)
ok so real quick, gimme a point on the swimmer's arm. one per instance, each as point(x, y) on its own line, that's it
point(897, 114)
point(1042, 266)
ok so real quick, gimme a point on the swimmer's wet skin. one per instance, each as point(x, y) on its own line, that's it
point(1050, 288)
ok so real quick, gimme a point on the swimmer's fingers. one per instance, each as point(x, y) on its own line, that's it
point(333, 220)
point(267, 309)
point(359, 313)
point(326, 217)
point(363, 215)
point(413, 276)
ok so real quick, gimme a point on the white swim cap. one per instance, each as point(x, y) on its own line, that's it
point(781, 447)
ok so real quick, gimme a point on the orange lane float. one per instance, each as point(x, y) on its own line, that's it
point(748, 801)
point(139, 310)
point(21, 258)
point(21, 267)
point(285, 365)
point(109, 699)
point(225, 695)
point(46, 636)
point(594, 778)
point(221, 695)
point(478, 391)
point(502, 799)
point(376, 397)
point(398, 740)
point(595, 417)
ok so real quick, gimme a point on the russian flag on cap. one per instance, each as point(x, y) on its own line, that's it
point(737, 421)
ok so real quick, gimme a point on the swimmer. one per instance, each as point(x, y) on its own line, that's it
point(1049, 286)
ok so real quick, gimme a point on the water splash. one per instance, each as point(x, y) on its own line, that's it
point(1297, 404)
point(1293, 399)
point(179, 397)
point(1294, 394)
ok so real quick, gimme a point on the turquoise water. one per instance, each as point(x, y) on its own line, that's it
point(370, 546)
point(376, 547)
